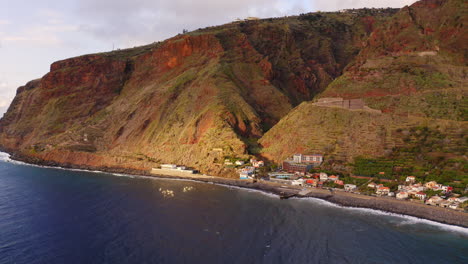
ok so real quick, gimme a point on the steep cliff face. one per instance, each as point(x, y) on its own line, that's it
point(232, 90)
point(411, 80)
point(192, 99)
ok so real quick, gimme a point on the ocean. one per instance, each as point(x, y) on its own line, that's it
point(52, 215)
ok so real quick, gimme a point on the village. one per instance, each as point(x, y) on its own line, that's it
point(301, 170)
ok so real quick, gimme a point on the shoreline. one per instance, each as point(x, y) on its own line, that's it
point(341, 198)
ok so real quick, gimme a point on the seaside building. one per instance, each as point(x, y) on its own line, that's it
point(420, 195)
point(246, 173)
point(298, 182)
point(172, 169)
point(302, 168)
point(434, 200)
point(169, 166)
point(383, 190)
point(445, 204)
point(323, 176)
point(312, 182)
point(257, 163)
point(402, 195)
point(281, 175)
point(333, 178)
point(350, 187)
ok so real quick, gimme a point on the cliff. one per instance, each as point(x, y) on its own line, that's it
point(192, 99)
point(249, 88)
point(408, 85)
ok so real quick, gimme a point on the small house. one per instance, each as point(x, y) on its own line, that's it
point(298, 182)
point(169, 166)
point(446, 188)
point(420, 195)
point(240, 162)
point(434, 200)
point(430, 184)
point(445, 204)
point(410, 179)
point(372, 185)
point(383, 190)
point(311, 182)
point(257, 163)
point(402, 195)
point(333, 178)
point(323, 176)
point(350, 187)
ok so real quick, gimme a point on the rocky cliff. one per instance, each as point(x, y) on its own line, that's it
point(202, 96)
point(411, 79)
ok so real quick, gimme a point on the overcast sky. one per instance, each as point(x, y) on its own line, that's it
point(33, 34)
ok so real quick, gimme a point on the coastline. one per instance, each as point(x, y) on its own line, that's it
point(341, 198)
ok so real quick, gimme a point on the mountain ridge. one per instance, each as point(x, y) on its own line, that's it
point(226, 91)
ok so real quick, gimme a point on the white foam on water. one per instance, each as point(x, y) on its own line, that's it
point(5, 157)
point(406, 219)
point(271, 195)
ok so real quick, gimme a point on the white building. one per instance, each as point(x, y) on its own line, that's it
point(240, 162)
point(298, 182)
point(383, 190)
point(350, 187)
point(410, 179)
point(169, 166)
point(308, 158)
point(323, 176)
point(402, 195)
point(434, 200)
point(420, 195)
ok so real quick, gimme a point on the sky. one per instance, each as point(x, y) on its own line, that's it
point(34, 34)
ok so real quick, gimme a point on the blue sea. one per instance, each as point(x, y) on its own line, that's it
point(60, 216)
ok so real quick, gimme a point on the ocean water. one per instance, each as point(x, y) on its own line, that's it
point(60, 216)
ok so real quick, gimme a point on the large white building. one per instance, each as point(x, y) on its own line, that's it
point(309, 158)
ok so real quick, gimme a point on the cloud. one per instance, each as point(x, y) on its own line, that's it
point(6, 96)
point(4, 22)
point(130, 23)
point(143, 21)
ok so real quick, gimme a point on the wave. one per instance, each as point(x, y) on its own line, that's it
point(271, 195)
point(407, 219)
point(5, 157)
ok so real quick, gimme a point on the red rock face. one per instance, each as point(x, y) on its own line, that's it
point(176, 101)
